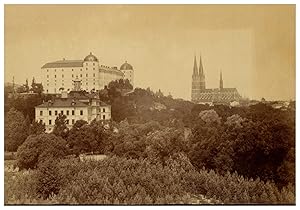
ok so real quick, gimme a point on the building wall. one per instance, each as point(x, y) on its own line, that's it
point(89, 113)
point(128, 74)
point(92, 76)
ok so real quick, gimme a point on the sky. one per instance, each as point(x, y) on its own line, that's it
point(253, 45)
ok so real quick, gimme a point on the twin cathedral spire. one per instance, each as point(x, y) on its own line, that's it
point(201, 94)
point(198, 77)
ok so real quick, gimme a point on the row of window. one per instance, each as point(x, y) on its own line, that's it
point(94, 75)
point(63, 84)
point(62, 112)
point(67, 112)
point(68, 122)
point(73, 69)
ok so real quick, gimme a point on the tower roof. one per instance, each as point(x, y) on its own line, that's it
point(91, 57)
point(195, 71)
point(201, 67)
point(126, 66)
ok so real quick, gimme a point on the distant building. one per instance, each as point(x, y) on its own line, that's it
point(77, 105)
point(58, 75)
point(200, 94)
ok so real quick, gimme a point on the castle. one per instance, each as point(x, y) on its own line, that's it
point(200, 94)
point(59, 75)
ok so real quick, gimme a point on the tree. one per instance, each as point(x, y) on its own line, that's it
point(164, 143)
point(60, 127)
point(38, 148)
point(48, 178)
point(85, 137)
point(37, 88)
point(210, 116)
point(37, 128)
point(15, 130)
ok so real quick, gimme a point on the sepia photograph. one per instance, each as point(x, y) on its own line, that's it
point(149, 104)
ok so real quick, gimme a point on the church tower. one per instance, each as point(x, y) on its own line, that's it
point(221, 81)
point(195, 81)
point(202, 76)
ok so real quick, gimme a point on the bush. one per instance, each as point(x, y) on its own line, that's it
point(118, 180)
point(37, 148)
point(48, 178)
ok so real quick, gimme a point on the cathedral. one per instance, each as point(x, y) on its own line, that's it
point(203, 95)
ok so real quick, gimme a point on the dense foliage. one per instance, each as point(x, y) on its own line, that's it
point(139, 181)
point(16, 130)
point(38, 148)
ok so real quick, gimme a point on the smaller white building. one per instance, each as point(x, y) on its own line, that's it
point(77, 105)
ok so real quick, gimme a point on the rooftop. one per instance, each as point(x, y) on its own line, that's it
point(63, 63)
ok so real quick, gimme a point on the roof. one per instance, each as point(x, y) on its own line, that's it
point(126, 66)
point(91, 57)
point(63, 102)
point(225, 95)
point(63, 64)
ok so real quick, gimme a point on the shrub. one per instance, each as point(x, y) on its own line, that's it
point(118, 180)
point(38, 148)
point(48, 178)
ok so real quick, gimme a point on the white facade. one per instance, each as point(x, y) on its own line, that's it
point(59, 75)
point(128, 72)
point(49, 111)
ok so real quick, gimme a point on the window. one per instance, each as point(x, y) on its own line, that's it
point(67, 122)
point(47, 76)
point(103, 117)
point(94, 74)
point(72, 75)
point(73, 121)
point(73, 112)
point(80, 75)
point(47, 70)
point(93, 64)
point(54, 70)
point(50, 113)
point(72, 70)
point(80, 69)
point(49, 122)
point(86, 75)
point(103, 109)
point(62, 111)
point(41, 113)
point(55, 112)
point(47, 90)
point(41, 121)
point(93, 68)
point(94, 83)
point(81, 112)
point(86, 68)
point(47, 84)
point(86, 83)
point(67, 112)
point(62, 76)
point(55, 76)
point(62, 70)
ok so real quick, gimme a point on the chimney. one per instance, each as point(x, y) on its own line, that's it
point(64, 94)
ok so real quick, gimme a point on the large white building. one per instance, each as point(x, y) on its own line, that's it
point(76, 105)
point(59, 75)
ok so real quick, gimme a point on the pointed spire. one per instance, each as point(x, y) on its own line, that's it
point(201, 72)
point(195, 72)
